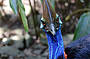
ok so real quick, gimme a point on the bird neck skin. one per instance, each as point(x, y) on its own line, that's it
point(56, 48)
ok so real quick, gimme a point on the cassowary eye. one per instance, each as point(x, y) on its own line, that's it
point(57, 22)
point(44, 25)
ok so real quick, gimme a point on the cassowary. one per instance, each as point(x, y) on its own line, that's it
point(51, 25)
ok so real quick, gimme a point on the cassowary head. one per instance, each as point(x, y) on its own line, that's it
point(50, 22)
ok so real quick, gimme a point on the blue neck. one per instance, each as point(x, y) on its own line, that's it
point(56, 48)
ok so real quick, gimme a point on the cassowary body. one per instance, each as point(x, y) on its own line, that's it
point(51, 25)
point(79, 49)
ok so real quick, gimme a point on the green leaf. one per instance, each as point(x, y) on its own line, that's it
point(22, 14)
point(18, 8)
point(20, 4)
point(24, 19)
point(41, 0)
point(13, 5)
point(53, 4)
point(83, 26)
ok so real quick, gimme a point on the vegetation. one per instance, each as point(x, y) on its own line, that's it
point(75, 15)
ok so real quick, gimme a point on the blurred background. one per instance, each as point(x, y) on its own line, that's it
point(15, 43)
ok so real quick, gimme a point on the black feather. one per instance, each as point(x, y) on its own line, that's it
point(79, 49)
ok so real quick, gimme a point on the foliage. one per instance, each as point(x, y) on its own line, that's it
point(83, 26)
point(75, 12)
point(18, 8)
point(13, 5)
point(52, 3)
